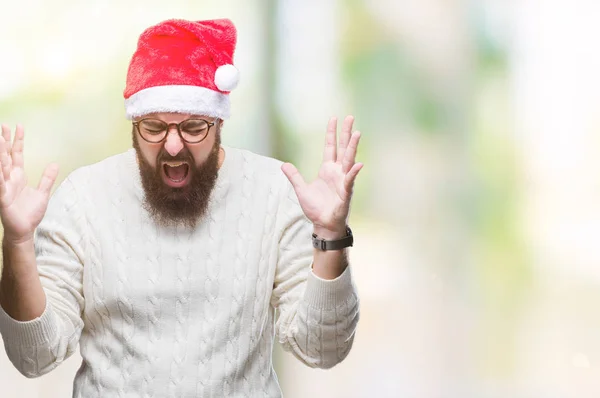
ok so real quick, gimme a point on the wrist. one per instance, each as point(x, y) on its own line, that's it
point(334, 233)
point(15, 249)
point(332, 244)
point(17, 241)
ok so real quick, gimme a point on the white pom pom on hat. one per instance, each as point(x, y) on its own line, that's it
point(227, 77)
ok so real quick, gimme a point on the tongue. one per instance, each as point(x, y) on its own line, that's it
point(176, 173)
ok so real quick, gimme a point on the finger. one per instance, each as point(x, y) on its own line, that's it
point(292, 174)
point(2, 185)
point(345, 136)
point(17, 148)
point(6, 136)
point(351, 176)
point(48, 178)
point(350, 153)
point(329, 153)
point(4, 159)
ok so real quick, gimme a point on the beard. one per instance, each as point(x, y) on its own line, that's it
point(184, 206)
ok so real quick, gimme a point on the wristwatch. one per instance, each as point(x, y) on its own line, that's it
point(324, 245)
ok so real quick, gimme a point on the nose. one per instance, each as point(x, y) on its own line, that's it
point(173, 144)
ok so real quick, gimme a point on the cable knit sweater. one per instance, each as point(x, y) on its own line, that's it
point(162, 312)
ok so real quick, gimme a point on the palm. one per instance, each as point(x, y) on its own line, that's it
point(21, 207)
point(323, 201)
point(326, 201)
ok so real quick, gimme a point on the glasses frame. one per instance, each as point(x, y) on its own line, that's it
point(177, 126)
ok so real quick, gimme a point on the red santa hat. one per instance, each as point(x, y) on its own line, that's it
point(184, 67)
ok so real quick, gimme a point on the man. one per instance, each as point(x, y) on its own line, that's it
point(168, 263)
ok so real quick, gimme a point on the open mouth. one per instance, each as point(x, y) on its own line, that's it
point(176, 172)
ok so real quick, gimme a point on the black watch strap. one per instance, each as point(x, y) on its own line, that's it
point(322, 244)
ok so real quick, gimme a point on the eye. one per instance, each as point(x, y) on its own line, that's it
point(152, 127)
point(194, 127)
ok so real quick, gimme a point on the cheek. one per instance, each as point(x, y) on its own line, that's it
point(200, 156)
point(201, 152)
point(150, 153)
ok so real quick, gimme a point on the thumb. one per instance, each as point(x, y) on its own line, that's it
point(292, 174)
point(48, 178)
point(351, 176)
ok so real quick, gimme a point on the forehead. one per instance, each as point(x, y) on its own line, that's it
point(173, 117)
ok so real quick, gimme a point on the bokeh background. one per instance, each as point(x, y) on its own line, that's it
point(477, 215)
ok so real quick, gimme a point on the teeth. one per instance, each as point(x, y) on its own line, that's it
point(174, 164)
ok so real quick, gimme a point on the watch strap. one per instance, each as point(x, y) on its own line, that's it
point(325, 245)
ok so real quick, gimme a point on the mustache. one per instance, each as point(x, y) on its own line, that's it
point(183, 156)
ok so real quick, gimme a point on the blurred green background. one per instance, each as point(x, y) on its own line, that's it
point(478, 210)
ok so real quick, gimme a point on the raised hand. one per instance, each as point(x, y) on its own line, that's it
point(326, 201)
point(21, 207)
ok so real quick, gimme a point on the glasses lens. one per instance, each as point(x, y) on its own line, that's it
point(152, 130)
point(194, 130)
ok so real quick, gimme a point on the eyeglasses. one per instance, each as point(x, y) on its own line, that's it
point(191, 131)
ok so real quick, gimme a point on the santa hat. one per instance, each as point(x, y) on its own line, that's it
point(184, 67)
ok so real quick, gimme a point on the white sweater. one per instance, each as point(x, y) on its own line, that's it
point(162, 312)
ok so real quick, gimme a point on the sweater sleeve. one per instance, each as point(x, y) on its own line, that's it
point(38, 346)
point(317, 318)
